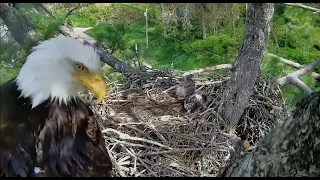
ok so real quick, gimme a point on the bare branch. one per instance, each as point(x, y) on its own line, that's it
point(315, 10)
point(291, 63)
point(286, 61)
point(284, 80)
point(301, 85)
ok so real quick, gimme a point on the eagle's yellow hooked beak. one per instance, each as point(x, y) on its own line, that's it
point(94, 82)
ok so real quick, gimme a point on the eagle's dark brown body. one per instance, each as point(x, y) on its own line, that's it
point(63, 140)
point(185, 88)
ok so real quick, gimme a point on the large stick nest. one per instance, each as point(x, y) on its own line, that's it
point(148, 133)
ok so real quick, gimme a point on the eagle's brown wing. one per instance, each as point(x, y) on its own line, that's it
point(71, 144)
point(16, 155)
point(17, 150)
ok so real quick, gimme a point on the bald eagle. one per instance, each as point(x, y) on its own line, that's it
point(46, 129)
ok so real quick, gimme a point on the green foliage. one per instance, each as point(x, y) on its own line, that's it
point(45, 26)
point(214, 50)
point(113, 39)
point(275, 68)
point(119, 13)
point(296, 31)
point(11, 61)
point(90, 16)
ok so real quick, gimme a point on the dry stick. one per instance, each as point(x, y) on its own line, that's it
point(131, 144)
point(126, 136)
point(172, 87)
point(179, 150)
point(116, 164)
point(120, 100)
point(140, 160)
point(135, 162)
point(134, 128)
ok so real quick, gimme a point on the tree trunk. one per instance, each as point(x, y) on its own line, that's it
point(24, 15)
point(165, 33)
point(203, 25)
point(17, 30)
point(290, 149)
point(247, 66)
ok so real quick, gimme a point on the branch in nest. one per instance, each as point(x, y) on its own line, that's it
point(126, 136)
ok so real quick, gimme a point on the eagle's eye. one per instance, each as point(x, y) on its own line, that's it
point(80, 67)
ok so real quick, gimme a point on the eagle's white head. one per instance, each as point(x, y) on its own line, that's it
point(60, 68)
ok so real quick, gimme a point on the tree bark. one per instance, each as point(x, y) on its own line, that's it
point(24, 15)
point(291, 149)
point(17, 30)
point(247, 66)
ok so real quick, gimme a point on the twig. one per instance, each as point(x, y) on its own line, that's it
point(126, 136)
point(133, 155)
